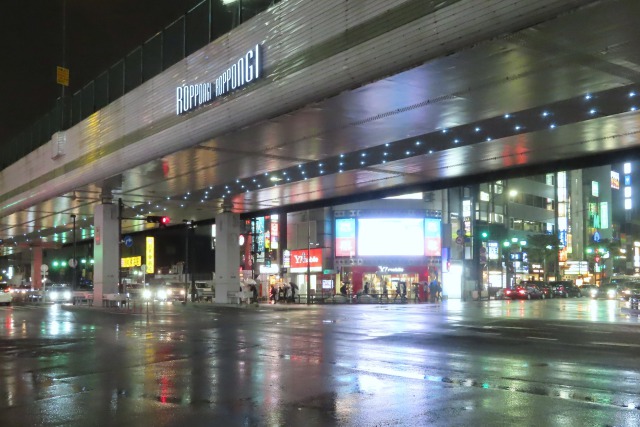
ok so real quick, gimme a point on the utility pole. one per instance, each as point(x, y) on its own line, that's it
point(120, 210)
point(308, 257)
point(75, 261)
point(186, 269)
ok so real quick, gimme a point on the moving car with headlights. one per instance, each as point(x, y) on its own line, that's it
point(5, 294)
point(627, 289)
point(609, 291)
point(173, 291)
point(59, 293)
point(566, 289)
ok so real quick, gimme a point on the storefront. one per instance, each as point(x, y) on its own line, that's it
point(309, 262)
point(387, 249)
point(409, 278)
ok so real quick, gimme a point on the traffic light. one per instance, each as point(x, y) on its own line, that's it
point(162, 220)
point(483, 232)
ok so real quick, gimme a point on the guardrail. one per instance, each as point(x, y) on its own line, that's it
point(198, 27)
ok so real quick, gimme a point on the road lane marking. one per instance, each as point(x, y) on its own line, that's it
point(543, 338)
point(616, 344)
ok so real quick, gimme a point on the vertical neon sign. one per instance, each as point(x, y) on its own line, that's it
point(150, 255)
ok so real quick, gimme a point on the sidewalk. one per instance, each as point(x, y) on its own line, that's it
point(164, 307)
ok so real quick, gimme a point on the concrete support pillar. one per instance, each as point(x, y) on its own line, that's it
point(227, 277)
point(36, 267)
point(106, 241)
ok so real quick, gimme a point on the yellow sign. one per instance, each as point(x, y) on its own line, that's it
point(150, 255)
point(132, 261)
point(62, 76)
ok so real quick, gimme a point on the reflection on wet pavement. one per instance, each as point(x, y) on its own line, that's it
point(569, 362)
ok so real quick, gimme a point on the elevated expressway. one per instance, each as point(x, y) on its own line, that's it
point(346, 98)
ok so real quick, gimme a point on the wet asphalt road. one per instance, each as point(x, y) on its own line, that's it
point(569, 362)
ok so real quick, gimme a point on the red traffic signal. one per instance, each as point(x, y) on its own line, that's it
point(162, 220)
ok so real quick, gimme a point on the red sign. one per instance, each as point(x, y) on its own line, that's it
point(275, 234)
point(299, 259)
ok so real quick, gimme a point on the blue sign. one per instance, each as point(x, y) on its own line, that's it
point(562, 236)
point(128, 241)
point(596, 237)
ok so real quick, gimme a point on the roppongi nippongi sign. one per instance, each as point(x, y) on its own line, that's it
point(245, 70)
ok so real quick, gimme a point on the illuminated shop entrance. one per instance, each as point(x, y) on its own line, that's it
point(409, 278)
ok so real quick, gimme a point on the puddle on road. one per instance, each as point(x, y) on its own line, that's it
point(562, 392)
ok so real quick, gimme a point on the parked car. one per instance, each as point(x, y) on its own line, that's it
point(83, 292)
point(566, 289)
point(5, 294)
point(525, 290)
point(20, 289)
point(546, 288)
point(634, 301)
point(136, 291)
point(205, 291)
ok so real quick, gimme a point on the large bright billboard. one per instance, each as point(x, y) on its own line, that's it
point(390, 237)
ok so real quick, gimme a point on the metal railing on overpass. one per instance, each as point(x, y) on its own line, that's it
point(201, 25)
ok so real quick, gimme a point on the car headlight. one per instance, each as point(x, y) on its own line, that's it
point(162, 294)
point(146, 294)
point(54, 295)
point(627, 292)
point(611, 293)
point(67, 295)
point(169, 291)
point(594, 292)
point(181, 291)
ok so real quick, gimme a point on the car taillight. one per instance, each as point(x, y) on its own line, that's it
point(508, 291)
point(522, 291)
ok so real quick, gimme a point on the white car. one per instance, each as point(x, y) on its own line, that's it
point(5, 294)
point(59, 293)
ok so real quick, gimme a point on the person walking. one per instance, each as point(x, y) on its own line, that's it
point(433, 289)
point(254, 293)
point(398, 292)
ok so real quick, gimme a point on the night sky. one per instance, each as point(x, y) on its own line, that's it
point(99, 33)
